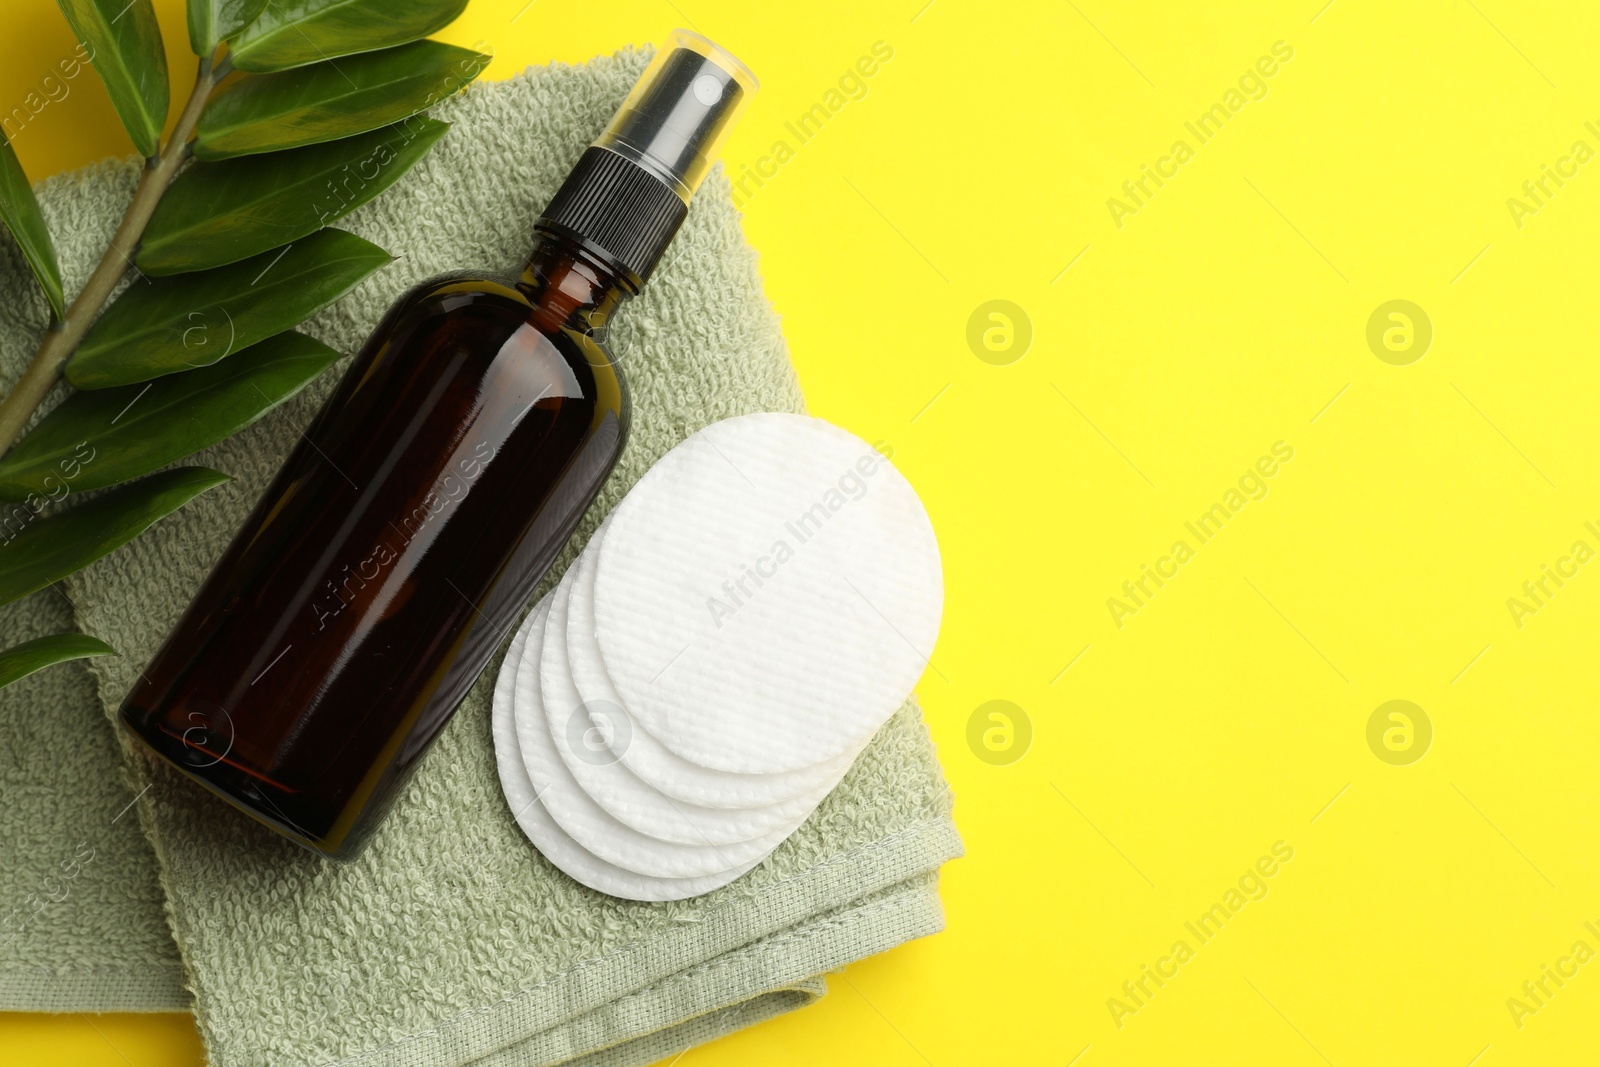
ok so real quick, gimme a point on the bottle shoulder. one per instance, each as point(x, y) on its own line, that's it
point(464, 287)
point(492, 314)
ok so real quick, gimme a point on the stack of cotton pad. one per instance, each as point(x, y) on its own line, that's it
point(705, 673)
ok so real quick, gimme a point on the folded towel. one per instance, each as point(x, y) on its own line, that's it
point(81, 927)
point(81, 922)
point(451, 940)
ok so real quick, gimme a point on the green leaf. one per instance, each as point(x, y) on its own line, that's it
point(49, 548)
point(174, 324)
point(108, 436)
point(296, 33)
point(22, 660)
point(217, 213)
point(19, 209)
point(329, 100)
point(213, 21)
point(129, 58)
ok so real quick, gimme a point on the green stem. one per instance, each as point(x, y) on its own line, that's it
point(62, 338)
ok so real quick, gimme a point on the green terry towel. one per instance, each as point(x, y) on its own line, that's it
point(81, 927)
point(452, 940)
point(81, 922)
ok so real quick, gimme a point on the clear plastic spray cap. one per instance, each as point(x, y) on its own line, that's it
point(675, 119)
point(630, 191)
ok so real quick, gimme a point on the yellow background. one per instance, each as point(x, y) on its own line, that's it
point(1229, 313)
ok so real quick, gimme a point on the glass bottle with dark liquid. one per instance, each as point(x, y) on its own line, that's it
point(404, 535)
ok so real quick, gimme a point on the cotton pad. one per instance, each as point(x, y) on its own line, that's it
point(658, 767)
point(709, 668)
point(599, 769)
point(556, 846)
point(766, 595)
point(542, 677)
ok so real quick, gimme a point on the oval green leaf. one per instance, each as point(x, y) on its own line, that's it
point(19, 209)
point(219, 213)
point(108, 436)
point(168, 325)
point(297, 33)
point(129, 59)
point(326, 101)
point(22, 660)
point(213, 21)
point(49, 548)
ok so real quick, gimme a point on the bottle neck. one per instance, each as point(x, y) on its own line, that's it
point(569, 287)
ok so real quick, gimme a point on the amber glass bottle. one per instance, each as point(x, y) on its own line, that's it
point(407, 531)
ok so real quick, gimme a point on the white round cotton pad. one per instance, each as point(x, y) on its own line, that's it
point(767, 594)
point(542, 678)
point(600, 772)
point(557, 847)
point(651, 762)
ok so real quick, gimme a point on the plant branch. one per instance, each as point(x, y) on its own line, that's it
point(62, 338)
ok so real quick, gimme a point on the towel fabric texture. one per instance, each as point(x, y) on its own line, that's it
point(81, 927)
point(450, 940)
